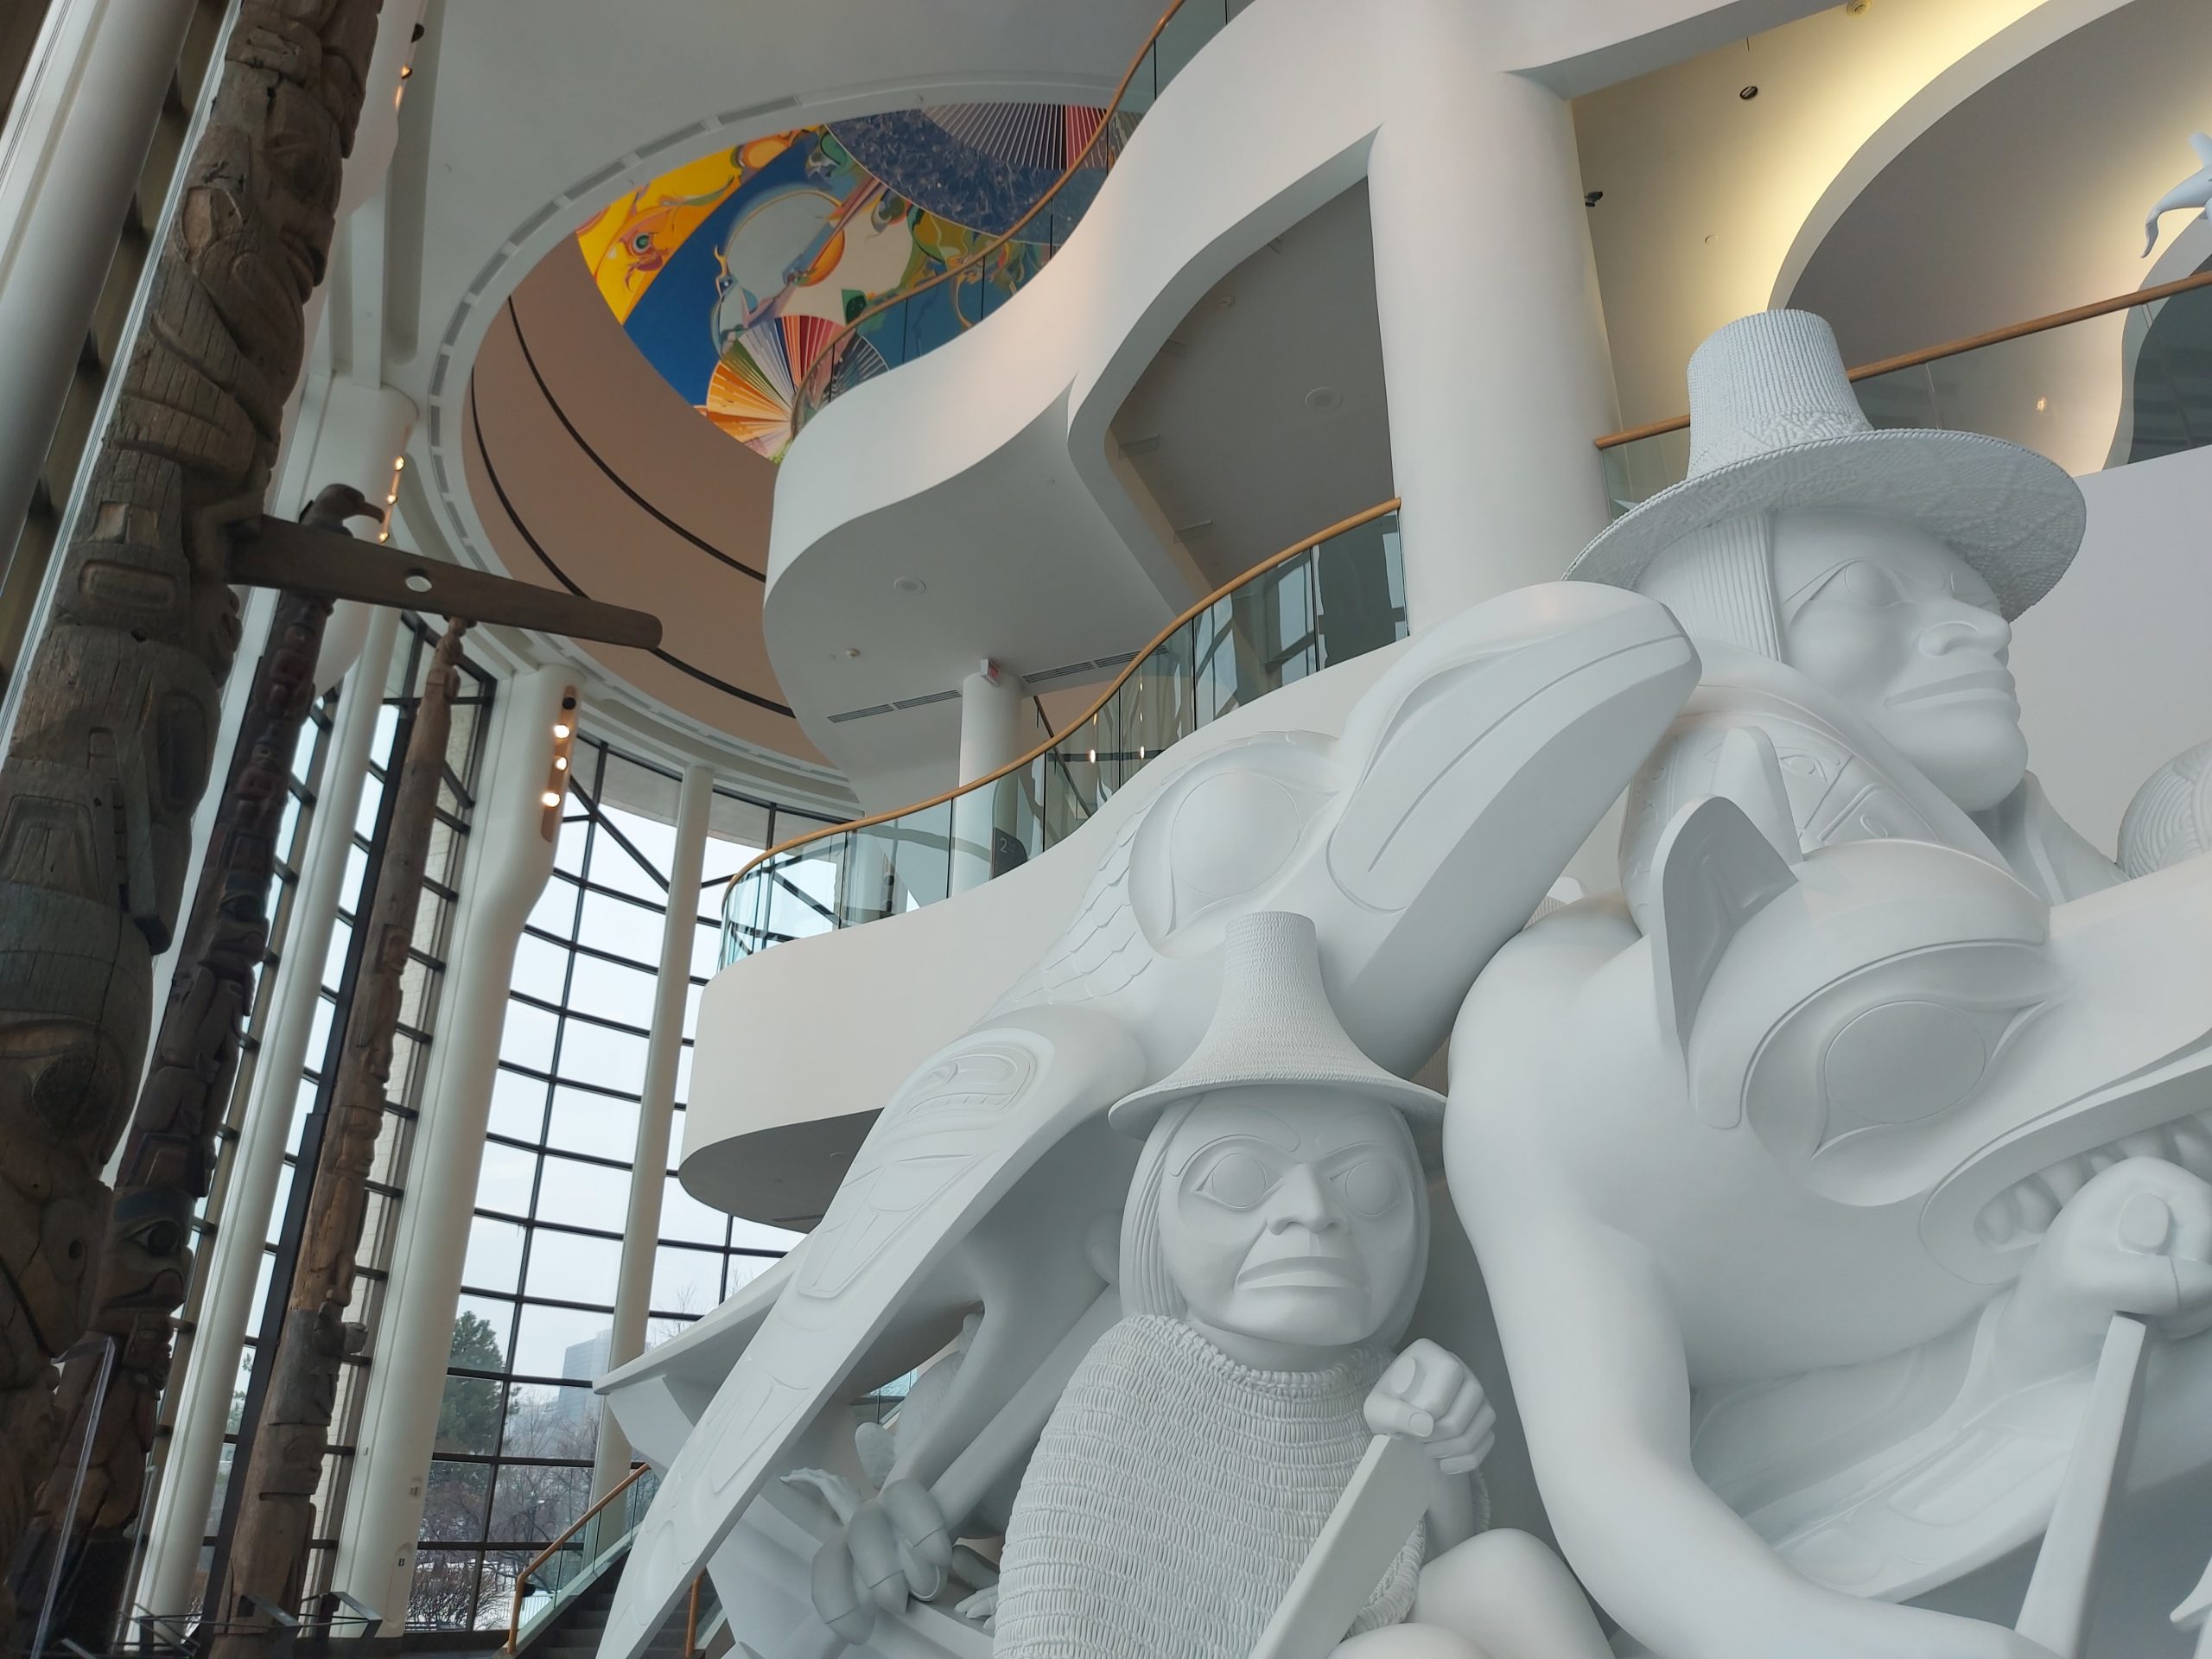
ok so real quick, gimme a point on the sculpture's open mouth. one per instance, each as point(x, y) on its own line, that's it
point(2022, 1210)
point(1307, 1273)
point(1995, 682)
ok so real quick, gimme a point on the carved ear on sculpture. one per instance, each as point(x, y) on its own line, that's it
point(1749, 773)
point(1716, 871)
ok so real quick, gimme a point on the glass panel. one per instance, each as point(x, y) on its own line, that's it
point(557, 1342)
point(527, 1037)
point(555, 913)
point(494, 1257)
point(504, 1181)
point(571, 1190)
point(621, 928)
point(454, 1497)
point(583, 1122)
point(517, 1105)
point(686, 1281)
point(541, 969)
point(611, 991)
point(594, 1054)
point(573, 1267)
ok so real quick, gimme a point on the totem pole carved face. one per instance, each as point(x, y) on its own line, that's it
point(50, 1233)
point(149, 1250)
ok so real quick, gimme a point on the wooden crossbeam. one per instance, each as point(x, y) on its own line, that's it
point(299, 558)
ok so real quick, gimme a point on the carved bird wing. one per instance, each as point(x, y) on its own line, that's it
point(955, 1140)
point(2195, 191)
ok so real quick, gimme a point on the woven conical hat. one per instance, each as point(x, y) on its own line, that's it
point(1774, 423)
point(1273, 1026)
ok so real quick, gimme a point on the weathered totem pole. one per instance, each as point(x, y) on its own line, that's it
point(86, 1534)
point(114, 737)
point(268, 1552)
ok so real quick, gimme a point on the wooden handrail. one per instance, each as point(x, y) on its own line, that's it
point(828, 354)
point(1954, 347)
point(521, 1578)
point(1129, 668)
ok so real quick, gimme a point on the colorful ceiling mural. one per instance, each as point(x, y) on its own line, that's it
point(733, 272)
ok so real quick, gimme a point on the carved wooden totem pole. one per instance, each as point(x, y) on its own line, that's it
point(113, 740)
point(268, 1551)
point(87, 1533)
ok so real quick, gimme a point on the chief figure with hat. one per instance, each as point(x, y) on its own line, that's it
point(1850, 591)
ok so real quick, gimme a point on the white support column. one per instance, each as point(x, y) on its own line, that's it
point(257, 1161)
point(1493, 344)
point(511, 844)
point(990, 735)
point(69, 160)
point(655, 1113)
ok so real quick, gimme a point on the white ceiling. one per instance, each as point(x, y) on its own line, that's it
point(2028, 197)
point(1705, 191)
point(1264, 419)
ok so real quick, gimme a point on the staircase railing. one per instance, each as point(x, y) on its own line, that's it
point(1331, 596)
point(560, 1542)
point(894, 328)
point(2017, 382)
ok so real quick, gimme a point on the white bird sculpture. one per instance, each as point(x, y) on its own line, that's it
point(2195, 191)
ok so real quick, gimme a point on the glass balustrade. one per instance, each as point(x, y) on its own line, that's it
point(2132, 384)
point(1318, 604)
point(959, 294)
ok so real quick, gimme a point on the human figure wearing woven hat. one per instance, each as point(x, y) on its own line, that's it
point(1272, 1251)
point(1806, 1191)
point(1851, 592)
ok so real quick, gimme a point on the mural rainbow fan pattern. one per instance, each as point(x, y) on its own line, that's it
point(734, 271)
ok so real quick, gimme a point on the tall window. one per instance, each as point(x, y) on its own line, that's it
point(520, 1424)
point(418, 1004)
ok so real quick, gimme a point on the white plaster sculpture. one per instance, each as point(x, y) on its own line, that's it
point(1851, 593)
point(2171, 817)
point(1416, 843)
point(2193, 192)
point(1808, 1177)
point(1271, 1252)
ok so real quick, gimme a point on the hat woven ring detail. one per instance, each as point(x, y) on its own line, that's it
point(1775, 424)
point(1274, 1026)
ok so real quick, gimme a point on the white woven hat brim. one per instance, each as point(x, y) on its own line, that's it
point(2016, 518)
point(1135, 1116)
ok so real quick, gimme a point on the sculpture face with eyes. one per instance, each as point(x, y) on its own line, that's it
point(1287, 1220)
point(1892, 621)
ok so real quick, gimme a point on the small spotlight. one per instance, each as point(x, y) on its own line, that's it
point(1748, 93)
point(406, 70)
point(2042, 404)
point(560, 762)
point(399, 464)
point(560, 728)
point(552, 797)
point(392, 500)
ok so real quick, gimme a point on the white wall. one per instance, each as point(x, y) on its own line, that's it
point(2115, 667)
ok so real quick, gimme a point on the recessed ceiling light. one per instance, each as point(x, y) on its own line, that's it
point(1748, 93)
point(1322, 399)
point(1222, 302)
point(908, 585)
point(849, 652)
